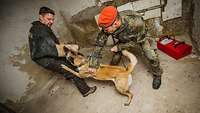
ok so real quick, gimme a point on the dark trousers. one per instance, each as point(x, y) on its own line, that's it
point(54, 64)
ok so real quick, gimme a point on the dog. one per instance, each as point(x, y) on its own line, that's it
point(120, 75)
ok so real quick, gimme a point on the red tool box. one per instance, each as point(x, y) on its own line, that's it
point(173, 48)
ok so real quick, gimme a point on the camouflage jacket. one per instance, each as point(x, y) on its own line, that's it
point(125, 35)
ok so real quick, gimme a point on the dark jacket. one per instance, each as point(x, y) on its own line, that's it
point(42, 43)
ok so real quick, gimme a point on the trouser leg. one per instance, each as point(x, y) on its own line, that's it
point(153, 60)
point(156, 69)
point(152, 57)
point(55, 65)
point(81, 85)
point(78, 82)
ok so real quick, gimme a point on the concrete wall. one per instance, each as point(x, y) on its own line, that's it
point(72, 7)
point(195, 30)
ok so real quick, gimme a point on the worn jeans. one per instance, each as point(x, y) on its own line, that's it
point(54, 64)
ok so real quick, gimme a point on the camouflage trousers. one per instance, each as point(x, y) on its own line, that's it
point(149, 50)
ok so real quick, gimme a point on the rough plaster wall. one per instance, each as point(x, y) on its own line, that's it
point(195, 31)
point(71, 7)
point(84, 23)
point(180, 25)
point(79, 18)
point(75, 21)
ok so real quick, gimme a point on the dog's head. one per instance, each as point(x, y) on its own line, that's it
point(76, 58)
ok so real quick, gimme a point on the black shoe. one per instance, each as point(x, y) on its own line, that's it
point(92, 90)
point(69, 76)
point(156, 82)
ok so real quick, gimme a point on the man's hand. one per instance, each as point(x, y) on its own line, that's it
point(72, 47)
point(92, 70)
point(114, 49)
point(60, 50)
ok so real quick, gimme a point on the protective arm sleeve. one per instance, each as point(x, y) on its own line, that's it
point(123, 46)
point(94, 56)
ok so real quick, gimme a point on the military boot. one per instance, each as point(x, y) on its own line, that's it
point(156, 81)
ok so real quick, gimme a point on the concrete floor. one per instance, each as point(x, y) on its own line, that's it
point(15, 22)
point(41, 91)
point(179, 93)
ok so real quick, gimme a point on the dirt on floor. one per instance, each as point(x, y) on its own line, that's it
point(179, 92)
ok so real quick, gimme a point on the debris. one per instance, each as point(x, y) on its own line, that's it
point(54, 90)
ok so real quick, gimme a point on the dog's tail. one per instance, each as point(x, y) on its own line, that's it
point(132, 58)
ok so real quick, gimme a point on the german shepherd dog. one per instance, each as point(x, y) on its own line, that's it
point(120, 75)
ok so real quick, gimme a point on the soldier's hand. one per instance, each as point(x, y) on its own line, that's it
point(114, 49)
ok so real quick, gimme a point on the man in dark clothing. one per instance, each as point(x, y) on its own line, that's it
point(48, 52)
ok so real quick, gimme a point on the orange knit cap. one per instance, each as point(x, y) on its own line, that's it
point(107, 16)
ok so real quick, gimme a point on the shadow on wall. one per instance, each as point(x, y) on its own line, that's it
point(83, 26)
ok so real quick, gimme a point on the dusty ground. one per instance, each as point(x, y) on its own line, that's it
point(36, 90)
point(15, 22)
point(179, 92)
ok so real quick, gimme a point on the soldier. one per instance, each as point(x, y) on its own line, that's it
point(48, 52)
point(129, 29)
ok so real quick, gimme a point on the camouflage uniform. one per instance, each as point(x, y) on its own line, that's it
point(132, 32)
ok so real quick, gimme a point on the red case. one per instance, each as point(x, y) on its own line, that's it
point(174, 48)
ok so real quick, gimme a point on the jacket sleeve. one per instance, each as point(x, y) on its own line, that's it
point(96, 54)
point(127, 46)
point(42, 44)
